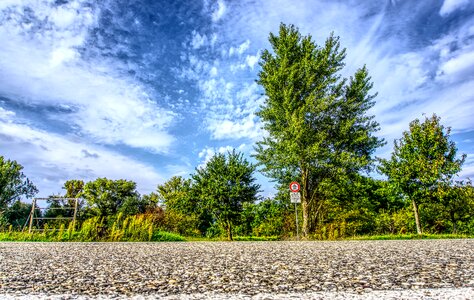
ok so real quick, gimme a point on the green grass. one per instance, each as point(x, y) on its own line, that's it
point(257, 238)
point(59, 235)
point(163, 236)
point(236, 238)
point(158, 236)
point(410, 237)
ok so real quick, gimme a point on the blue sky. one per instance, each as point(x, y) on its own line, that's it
point(145, 90)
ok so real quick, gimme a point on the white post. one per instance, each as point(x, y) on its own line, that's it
point(32, 215)
point(296, 217)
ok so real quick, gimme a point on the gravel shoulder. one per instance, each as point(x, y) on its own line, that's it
point(431, 269)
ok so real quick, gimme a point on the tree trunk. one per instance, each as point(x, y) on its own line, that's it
point(306, 204)
point(305, 229)
point(453, 220)
point(229, 231)
point(417, 217)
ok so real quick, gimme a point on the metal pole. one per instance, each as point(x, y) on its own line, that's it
point(32, 215)
point(296, 216)
point(75, 214)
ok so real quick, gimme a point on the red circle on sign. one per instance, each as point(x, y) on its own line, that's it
point(294, 186)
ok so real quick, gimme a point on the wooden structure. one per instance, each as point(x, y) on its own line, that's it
point(35, 207)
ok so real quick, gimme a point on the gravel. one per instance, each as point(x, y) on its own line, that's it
point(420, 269)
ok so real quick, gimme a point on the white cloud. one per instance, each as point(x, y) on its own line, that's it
point(450, 6)
point(213, 72)
point(461, 64)
point(6, 115)
point(44, 67)
point(51, 159)
point(219, 11)
point(198, 40)
point(240, 49)
point(247, 127)
point(252, 60)
point(207, 153)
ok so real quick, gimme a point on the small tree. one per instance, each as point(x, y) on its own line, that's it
point(423, 160)
point(224, 185)
point(107, 196)
point(13, 183)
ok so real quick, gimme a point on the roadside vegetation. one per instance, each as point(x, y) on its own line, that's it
point(319, 133)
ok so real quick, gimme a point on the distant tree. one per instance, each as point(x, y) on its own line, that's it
point(317, 123)
point(74, 188)
point(151, 201)
point(13, 183)
point(457, 200)
point(107, 197)
point(423, 160)
point(58, 207)
point(174, 194)
point(17, 214)
point(224, 185)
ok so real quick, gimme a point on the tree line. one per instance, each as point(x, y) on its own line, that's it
point(319, 133)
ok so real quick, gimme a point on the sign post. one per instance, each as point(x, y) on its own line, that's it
point(295, 197)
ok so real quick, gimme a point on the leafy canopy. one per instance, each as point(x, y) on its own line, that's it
point(13, 183)
point(423, 159)
point(109, 197)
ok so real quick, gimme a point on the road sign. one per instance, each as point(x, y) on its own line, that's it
point(294, 186)
point(295, 197)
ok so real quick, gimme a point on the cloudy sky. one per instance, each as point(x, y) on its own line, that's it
point(147, 89)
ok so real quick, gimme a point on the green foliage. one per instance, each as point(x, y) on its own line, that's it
point(184, 213)
point(423, 161)
point(223, 186)
point(316, 120)
point(129, 228)
point(108, 197)
point(60, 209)
point(13, 183)
point(17, 214)
point(74, 188)
point(187, 225)
point(151, 201)
point(456, 209)
point(174, 194)
point(265, 218)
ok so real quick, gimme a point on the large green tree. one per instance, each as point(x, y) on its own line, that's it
point(13, 183)
point(317, 123)
point(224, 185)
point(423, 161)
point(108, 197)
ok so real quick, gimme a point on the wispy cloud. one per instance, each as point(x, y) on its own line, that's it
point(207, 153)
point(40, 64)
point(451, 5)
point(51, 159)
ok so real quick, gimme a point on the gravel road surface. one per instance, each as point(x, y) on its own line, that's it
point(421, 269)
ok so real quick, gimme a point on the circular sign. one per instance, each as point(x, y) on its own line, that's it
point(294, 186)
